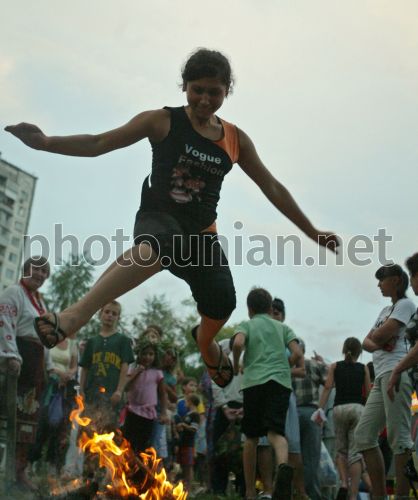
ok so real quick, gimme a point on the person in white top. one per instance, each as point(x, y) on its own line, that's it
point(21, 353)
point(64, 358)
point(386, 340)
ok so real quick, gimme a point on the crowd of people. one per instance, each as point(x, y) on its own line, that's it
point(267, 426)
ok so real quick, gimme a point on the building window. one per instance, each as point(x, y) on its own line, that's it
point(10, 274)
point(15, 241)
point(12, 257)
point(4, 216)
point(24, 195)
point(2, 250)
point(18, 226)
point(22, 211)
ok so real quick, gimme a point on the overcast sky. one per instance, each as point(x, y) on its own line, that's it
point(327, 91)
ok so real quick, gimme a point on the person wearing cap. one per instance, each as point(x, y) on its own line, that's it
point(386, 340)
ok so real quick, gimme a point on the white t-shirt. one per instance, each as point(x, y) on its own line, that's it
point(383, 360)
point(16, 319)
point(61, 358)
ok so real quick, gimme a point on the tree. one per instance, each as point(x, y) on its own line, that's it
point(68, 284)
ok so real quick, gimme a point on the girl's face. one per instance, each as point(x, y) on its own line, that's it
point(169, 360)
point(205, 96)
point(388, 286)
point(147, 357)
point(152, 336)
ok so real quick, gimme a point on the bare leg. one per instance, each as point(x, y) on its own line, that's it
point(206, 333)
point(402, 483)
point(376, 469)
point(134, 267)
point(354, 471)
point(279, 444)
point(188, 476)
point(265, 467)
point(249, 458)
point(341, 462)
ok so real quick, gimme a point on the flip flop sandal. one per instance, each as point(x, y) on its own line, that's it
point(217, 377)
point(57, 332)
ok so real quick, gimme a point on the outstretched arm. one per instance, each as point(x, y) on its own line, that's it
point(279, 196)
point(151, 124)
point(329, 384)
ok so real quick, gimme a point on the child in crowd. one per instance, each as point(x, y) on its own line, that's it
point(189, 386)
point(145, 388)
point(153, 333)
point(186, 427)
point(168, 366)
point(352, 382)
point(266, 388)
point(104, 366)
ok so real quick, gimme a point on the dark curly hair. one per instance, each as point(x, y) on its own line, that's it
point(205, 63)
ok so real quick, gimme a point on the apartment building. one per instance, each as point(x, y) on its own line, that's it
point(17, 189)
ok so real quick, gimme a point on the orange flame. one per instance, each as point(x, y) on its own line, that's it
point(414, 403)
point(75, 414)
point(122, 464)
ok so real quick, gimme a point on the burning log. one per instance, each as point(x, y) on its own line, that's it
point(86, 492)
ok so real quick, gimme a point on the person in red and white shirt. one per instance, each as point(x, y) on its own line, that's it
point(22, 354)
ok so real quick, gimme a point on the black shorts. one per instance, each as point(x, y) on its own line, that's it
point(197, 259)
point(265, 409)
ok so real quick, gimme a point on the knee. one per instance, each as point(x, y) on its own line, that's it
point(363, 441)
point(217, 304)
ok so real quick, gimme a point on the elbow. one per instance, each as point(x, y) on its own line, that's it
point(98, 147)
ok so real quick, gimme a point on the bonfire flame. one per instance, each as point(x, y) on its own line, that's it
point(124, 467)
point(75, 414)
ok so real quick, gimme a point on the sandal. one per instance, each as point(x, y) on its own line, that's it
point(58, 334)
point(217, 377)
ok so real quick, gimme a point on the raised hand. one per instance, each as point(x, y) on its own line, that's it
point(29, 134)
point(327, 239)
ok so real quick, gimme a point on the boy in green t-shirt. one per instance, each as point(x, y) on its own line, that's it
point(266, 388)
point(104, 366)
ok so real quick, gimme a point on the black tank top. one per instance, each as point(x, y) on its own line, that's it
point(187, 173)
point(349, 380)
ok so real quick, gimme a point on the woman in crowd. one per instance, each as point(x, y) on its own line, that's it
point(352, 382)
point(21, 354)
point(386, 340)
point(55, 434)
